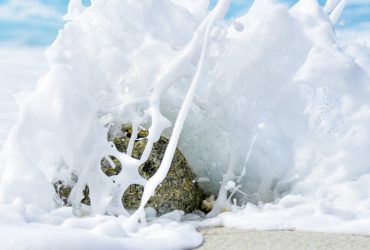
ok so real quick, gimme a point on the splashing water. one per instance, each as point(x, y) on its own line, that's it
point(270, 109)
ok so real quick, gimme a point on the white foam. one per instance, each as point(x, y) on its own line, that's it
point(279, 119)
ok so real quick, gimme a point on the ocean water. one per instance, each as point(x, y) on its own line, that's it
point(36, 22)
point(277, 102)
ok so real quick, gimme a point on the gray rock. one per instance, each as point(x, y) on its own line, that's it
point(178, 191)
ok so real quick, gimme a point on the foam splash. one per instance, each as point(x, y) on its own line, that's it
point(278, 113)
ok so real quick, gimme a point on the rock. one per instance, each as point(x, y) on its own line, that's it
point(178, 191)
point(108, 169)
point(86, 199)
point(208, 204)
point(63, 191)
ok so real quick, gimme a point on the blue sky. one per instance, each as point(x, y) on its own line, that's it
point(36, 22)
point(31, 22)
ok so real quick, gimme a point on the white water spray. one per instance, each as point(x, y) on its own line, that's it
point(216, 15)
point(120, 61)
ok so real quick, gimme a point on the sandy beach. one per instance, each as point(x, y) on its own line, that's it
point(235, 239)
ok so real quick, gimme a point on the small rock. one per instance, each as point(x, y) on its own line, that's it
point(108, 169)
point(178, 191)
point(63, 191)
point(208, 204)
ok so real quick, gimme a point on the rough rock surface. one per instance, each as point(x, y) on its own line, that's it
point(178, 191)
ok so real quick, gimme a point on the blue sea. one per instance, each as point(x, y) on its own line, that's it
point(36, 22)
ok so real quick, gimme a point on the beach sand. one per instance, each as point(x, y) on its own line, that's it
point(228, 238)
